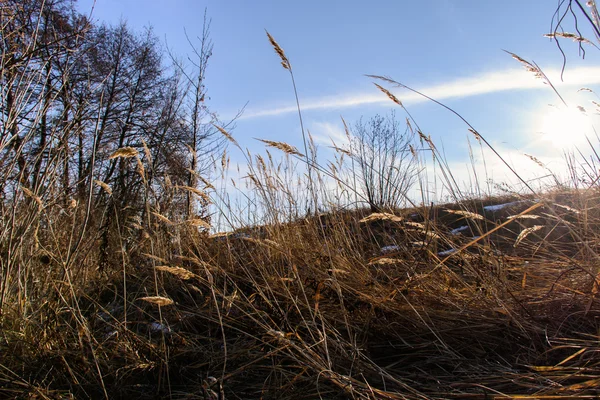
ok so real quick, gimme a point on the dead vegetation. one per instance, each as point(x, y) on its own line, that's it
point(307, 309)
point(113, 285)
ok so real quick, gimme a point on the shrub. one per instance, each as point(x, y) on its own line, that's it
point(386, 166)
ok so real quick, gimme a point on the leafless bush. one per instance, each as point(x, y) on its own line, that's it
point(386, 166)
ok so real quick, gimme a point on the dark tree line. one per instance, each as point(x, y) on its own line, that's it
point(72, 93)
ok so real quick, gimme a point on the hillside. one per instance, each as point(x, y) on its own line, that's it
point(137, 260)
point(349, 304)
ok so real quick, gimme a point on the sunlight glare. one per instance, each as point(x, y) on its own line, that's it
point(564, 126)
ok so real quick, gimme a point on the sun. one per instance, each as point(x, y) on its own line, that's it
point(564, 126)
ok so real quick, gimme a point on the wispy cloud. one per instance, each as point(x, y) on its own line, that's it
point(491, 82)
point(327, 133)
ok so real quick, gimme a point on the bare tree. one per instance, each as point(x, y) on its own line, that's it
point(386, 167)
point(202, 139)
point(72, 93)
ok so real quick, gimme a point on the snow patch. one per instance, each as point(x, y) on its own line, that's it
point(389, 249)
point(497, 207)
point(156, 327)
point(446, 252)
point(459, 230)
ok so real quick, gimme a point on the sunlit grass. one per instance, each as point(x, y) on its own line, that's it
point(320, 293)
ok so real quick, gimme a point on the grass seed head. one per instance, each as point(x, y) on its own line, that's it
point(535, 160)
point(526, 232)
point(158, 300)
point(198, 222)
point(104, 186)
point(196, 191)
point(162, 218)
point(382, 217)
point(525, 216)
point(226, 134)
point(124, 152)
point(286, 148)
point(285, 63)
point(389, 94)
point(147, 152)
point(466, 214)
point(383, 261)
point(32, 195)
point(567, 35)
point(177, 271)
point(528, 66)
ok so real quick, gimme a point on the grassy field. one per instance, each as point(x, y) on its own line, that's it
point(486, 298)
point(115, 283)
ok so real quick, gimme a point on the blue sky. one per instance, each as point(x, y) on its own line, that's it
point(450, 49)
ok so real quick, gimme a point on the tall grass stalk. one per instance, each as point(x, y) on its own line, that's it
point(110, 289)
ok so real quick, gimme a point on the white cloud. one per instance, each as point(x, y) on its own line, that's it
point(324, 133)
point(491, 82)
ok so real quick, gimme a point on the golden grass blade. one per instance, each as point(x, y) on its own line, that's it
point(571, 209)
point(590, 383)
point(466, 214)
point(528, 66)
point(341, 150)
point(198, 222)
point(196, 191)
point(140, 169)
point(432, 234)
point(389, 94)
point(263, 242)
point(224, 160)
point(104, 186)
point(155, 258)
point(191, 171)
point(566, 35)
point(226, 134)
point(382, 217)
point(526, 232)
point(383, 261)
point(124, 152)
point(162, 218)
point(147, 153)
point(338, 271)
point(158, 300)
point(482, 237)
point(526, 216)
point(286, 148)
point(32, 195)
point(207, 184)
point(535, 160)
point(177, 271)
point(284, 60)
point(220, 235)
point(415, 225)
point(569, 358)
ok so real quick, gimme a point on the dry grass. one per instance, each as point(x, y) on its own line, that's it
point(299, 310)
point(466, 300)
point(286, 148)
